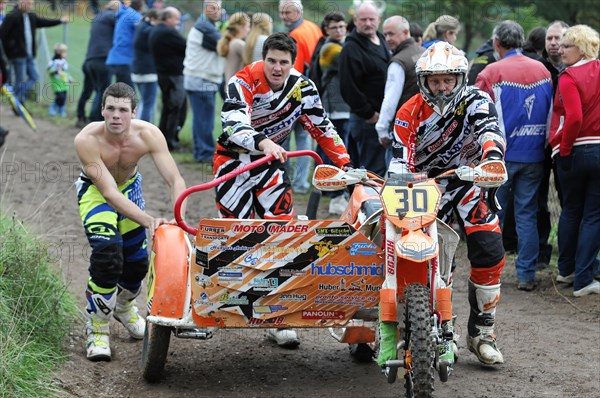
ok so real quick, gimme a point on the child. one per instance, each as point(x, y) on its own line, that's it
point(59, 79)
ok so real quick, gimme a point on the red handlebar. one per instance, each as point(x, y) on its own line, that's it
point(229, 176)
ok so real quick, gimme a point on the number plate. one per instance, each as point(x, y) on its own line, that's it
point(405, 200)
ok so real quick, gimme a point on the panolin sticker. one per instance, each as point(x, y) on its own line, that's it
point(322, 314)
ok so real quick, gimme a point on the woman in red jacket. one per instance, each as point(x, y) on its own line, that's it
point(576, 149)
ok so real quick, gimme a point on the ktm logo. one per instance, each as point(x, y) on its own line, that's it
point(284, 203)
point(492, 304)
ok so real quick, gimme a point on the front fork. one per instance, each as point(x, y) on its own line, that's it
point(442, 332)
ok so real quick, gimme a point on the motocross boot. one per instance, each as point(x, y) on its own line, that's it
point(126, 312)
point(284, 337)
point(99, 308)
point(481, 339)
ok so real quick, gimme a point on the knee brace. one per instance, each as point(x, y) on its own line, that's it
point(133, 274)
point(106, 265)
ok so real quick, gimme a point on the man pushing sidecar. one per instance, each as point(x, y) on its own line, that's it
point(264, 100)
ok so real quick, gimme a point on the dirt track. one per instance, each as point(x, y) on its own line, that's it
point(550, 340)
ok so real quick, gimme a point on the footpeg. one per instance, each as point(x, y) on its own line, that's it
point(391, 369)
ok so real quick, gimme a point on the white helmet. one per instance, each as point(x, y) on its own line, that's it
point(442, 58)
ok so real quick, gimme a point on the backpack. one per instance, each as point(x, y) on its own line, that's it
point(314, 72)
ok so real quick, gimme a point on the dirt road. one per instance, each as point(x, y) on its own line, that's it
point(550, 340)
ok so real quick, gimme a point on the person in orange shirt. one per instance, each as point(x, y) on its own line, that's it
point(306, 34)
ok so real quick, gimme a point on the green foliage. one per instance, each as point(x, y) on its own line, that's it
point(572, 12)
point(477, 17)
point(35, 315)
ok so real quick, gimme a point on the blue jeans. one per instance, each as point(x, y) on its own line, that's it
point(371, 152)
point(523, 183)
point(579, 224)
point(300, 182)
point(122, 74)
point(148, 92)
point(22, 67)
point(203, 123)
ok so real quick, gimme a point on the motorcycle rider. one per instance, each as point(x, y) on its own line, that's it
point(447, 125)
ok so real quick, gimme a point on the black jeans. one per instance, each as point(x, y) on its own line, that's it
point(101, 78)
point(86, 91)
point(174, 107)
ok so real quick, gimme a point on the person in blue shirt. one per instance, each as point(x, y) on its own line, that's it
point(120, 55)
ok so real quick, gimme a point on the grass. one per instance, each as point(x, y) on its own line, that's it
point(35, 315)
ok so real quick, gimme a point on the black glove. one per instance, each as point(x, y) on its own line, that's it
point(492, 155)
point(566, 162)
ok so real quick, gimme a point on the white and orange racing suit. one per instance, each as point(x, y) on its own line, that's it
point(426, 141)
point(251, 113)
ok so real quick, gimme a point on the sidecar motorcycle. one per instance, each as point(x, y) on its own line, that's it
point(384, 266)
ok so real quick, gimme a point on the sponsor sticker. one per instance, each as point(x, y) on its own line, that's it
point(268, 309)
point(203, 280)
point(233, 274)
point(277, 321)
point(319, 314)
point(226, 298)
point(212, 229)
point(291, 272)
point(334, 231)
point(292, 297)
point(214, 237)
point(401, 123)
point(278, 228)
point(352, 269)
point(201, 258)
point(264, 284)
point(363, 248)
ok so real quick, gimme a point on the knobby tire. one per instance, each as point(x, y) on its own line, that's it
point(420, 379)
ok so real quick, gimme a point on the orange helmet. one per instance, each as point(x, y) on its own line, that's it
point(442, 58)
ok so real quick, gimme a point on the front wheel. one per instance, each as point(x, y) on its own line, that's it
point(419, 353)
point(154, 351)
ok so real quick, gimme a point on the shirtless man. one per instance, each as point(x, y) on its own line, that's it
point(111, 205)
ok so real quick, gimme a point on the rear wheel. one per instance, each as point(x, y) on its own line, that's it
point(420, 354)
point(154, 351)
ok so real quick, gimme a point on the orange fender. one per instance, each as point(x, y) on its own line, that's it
point(167, 280)
point(358, 335)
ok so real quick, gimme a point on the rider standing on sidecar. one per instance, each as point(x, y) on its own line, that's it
point(447, 125)
point(263, 101)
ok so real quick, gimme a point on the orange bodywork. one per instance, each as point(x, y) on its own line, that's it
point(358, 335)
point(167, 280)
point(408, 272)
point(387, 305)
point(360, 195)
